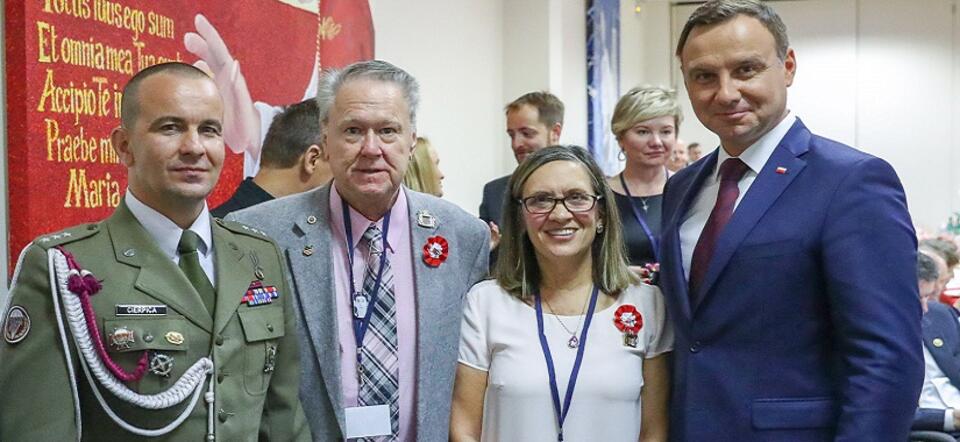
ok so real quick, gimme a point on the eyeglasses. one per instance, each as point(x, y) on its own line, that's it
point(575, 203)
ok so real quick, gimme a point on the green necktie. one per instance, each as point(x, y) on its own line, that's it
point(190, 265)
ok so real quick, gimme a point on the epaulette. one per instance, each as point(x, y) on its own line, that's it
point(68, 235)
point(243, 229)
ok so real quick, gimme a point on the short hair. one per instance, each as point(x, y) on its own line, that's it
point(549, 107)
point(331, 81)
point(719, 11)
point(926, 268)
point(517, 270)
point(946, 249)
point(693, 145)
point(643, 103)
point(422, 173)
point(130, 104)
point(292, 131)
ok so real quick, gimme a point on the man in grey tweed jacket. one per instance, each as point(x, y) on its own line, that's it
point(368, 114)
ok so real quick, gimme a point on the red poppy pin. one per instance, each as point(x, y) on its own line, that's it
point(629, 321)
point(435, 251)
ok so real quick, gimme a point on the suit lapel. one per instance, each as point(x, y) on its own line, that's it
point(233, 277)
point(427, 281)
point(764, 191)
point(671, 237)
point(312, 277)
point(158, 277)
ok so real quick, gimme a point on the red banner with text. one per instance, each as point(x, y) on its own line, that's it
point(68, 60)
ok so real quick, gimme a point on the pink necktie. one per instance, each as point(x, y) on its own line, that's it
point(730, 173)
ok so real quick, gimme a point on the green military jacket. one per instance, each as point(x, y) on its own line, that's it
point(145, 295)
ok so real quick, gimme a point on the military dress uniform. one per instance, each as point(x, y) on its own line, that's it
point(146, 306)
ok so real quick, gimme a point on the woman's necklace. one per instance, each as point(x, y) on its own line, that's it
point(573, 342)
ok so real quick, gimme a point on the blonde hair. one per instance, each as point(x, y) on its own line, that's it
point(518, 271)
point(644, 103)
point(422, 174)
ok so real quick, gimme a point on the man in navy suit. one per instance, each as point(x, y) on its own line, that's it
point(939, 408)
point(788, 260)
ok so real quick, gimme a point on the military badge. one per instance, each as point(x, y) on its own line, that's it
point(629, 321)
point(17, 325)
point(259, 294)
point(435, 251)
point(270, 362)
point(122, 338)
point(175, 338)
point(161, 365)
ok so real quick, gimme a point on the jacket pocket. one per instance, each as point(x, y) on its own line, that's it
point(781, 414)
point(262, 329)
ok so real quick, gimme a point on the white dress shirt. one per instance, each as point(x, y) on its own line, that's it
point(755, 157)
point(938, 391)
point(166, 234)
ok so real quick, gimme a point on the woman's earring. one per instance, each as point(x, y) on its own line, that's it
point(599, 227)
point(622, 156)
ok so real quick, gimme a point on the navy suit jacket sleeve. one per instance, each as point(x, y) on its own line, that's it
point(869, 265)
point(928, 419)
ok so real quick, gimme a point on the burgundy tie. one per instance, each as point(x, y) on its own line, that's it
point(730, 173)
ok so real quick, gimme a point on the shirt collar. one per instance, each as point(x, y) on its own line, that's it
point(165, 233)
point(399, 219)
point(757, 154)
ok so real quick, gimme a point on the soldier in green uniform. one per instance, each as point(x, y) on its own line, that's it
point(160, 322)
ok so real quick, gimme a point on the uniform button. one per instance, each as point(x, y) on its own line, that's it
point(219, 340)
point(270, 327)
point(223, 415)
point(220, 378)
point(695, 348)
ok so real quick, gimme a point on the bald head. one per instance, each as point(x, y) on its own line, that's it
point(130, 105)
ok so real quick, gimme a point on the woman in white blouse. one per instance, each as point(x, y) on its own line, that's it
point(564, 344)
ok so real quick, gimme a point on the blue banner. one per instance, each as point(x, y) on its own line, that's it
point(603, 81)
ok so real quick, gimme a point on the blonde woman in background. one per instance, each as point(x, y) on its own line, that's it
point(423, 173)
point(645, 122)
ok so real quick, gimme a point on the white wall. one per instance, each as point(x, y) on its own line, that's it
point(454, 48)
point(471, 58)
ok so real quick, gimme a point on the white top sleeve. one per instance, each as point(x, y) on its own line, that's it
point(660, 338)
point(474, 351)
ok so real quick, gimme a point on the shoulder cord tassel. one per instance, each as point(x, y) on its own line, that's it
point(80, 325)
point(82, 283)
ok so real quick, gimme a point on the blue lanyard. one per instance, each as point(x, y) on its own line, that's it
point(561, 412)
point(360, 324)
point(636, 216)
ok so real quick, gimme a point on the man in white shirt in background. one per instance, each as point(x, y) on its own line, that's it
point(939, 406)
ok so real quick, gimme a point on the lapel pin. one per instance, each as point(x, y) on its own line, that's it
point(308, 250)
point(311, 219)
point(129, 253)
point(425, 219)
point(629, 321)
point(435, 251)
point(937, 342)
point(781, 170)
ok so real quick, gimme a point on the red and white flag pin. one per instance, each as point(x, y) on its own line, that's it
point(781, 170)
